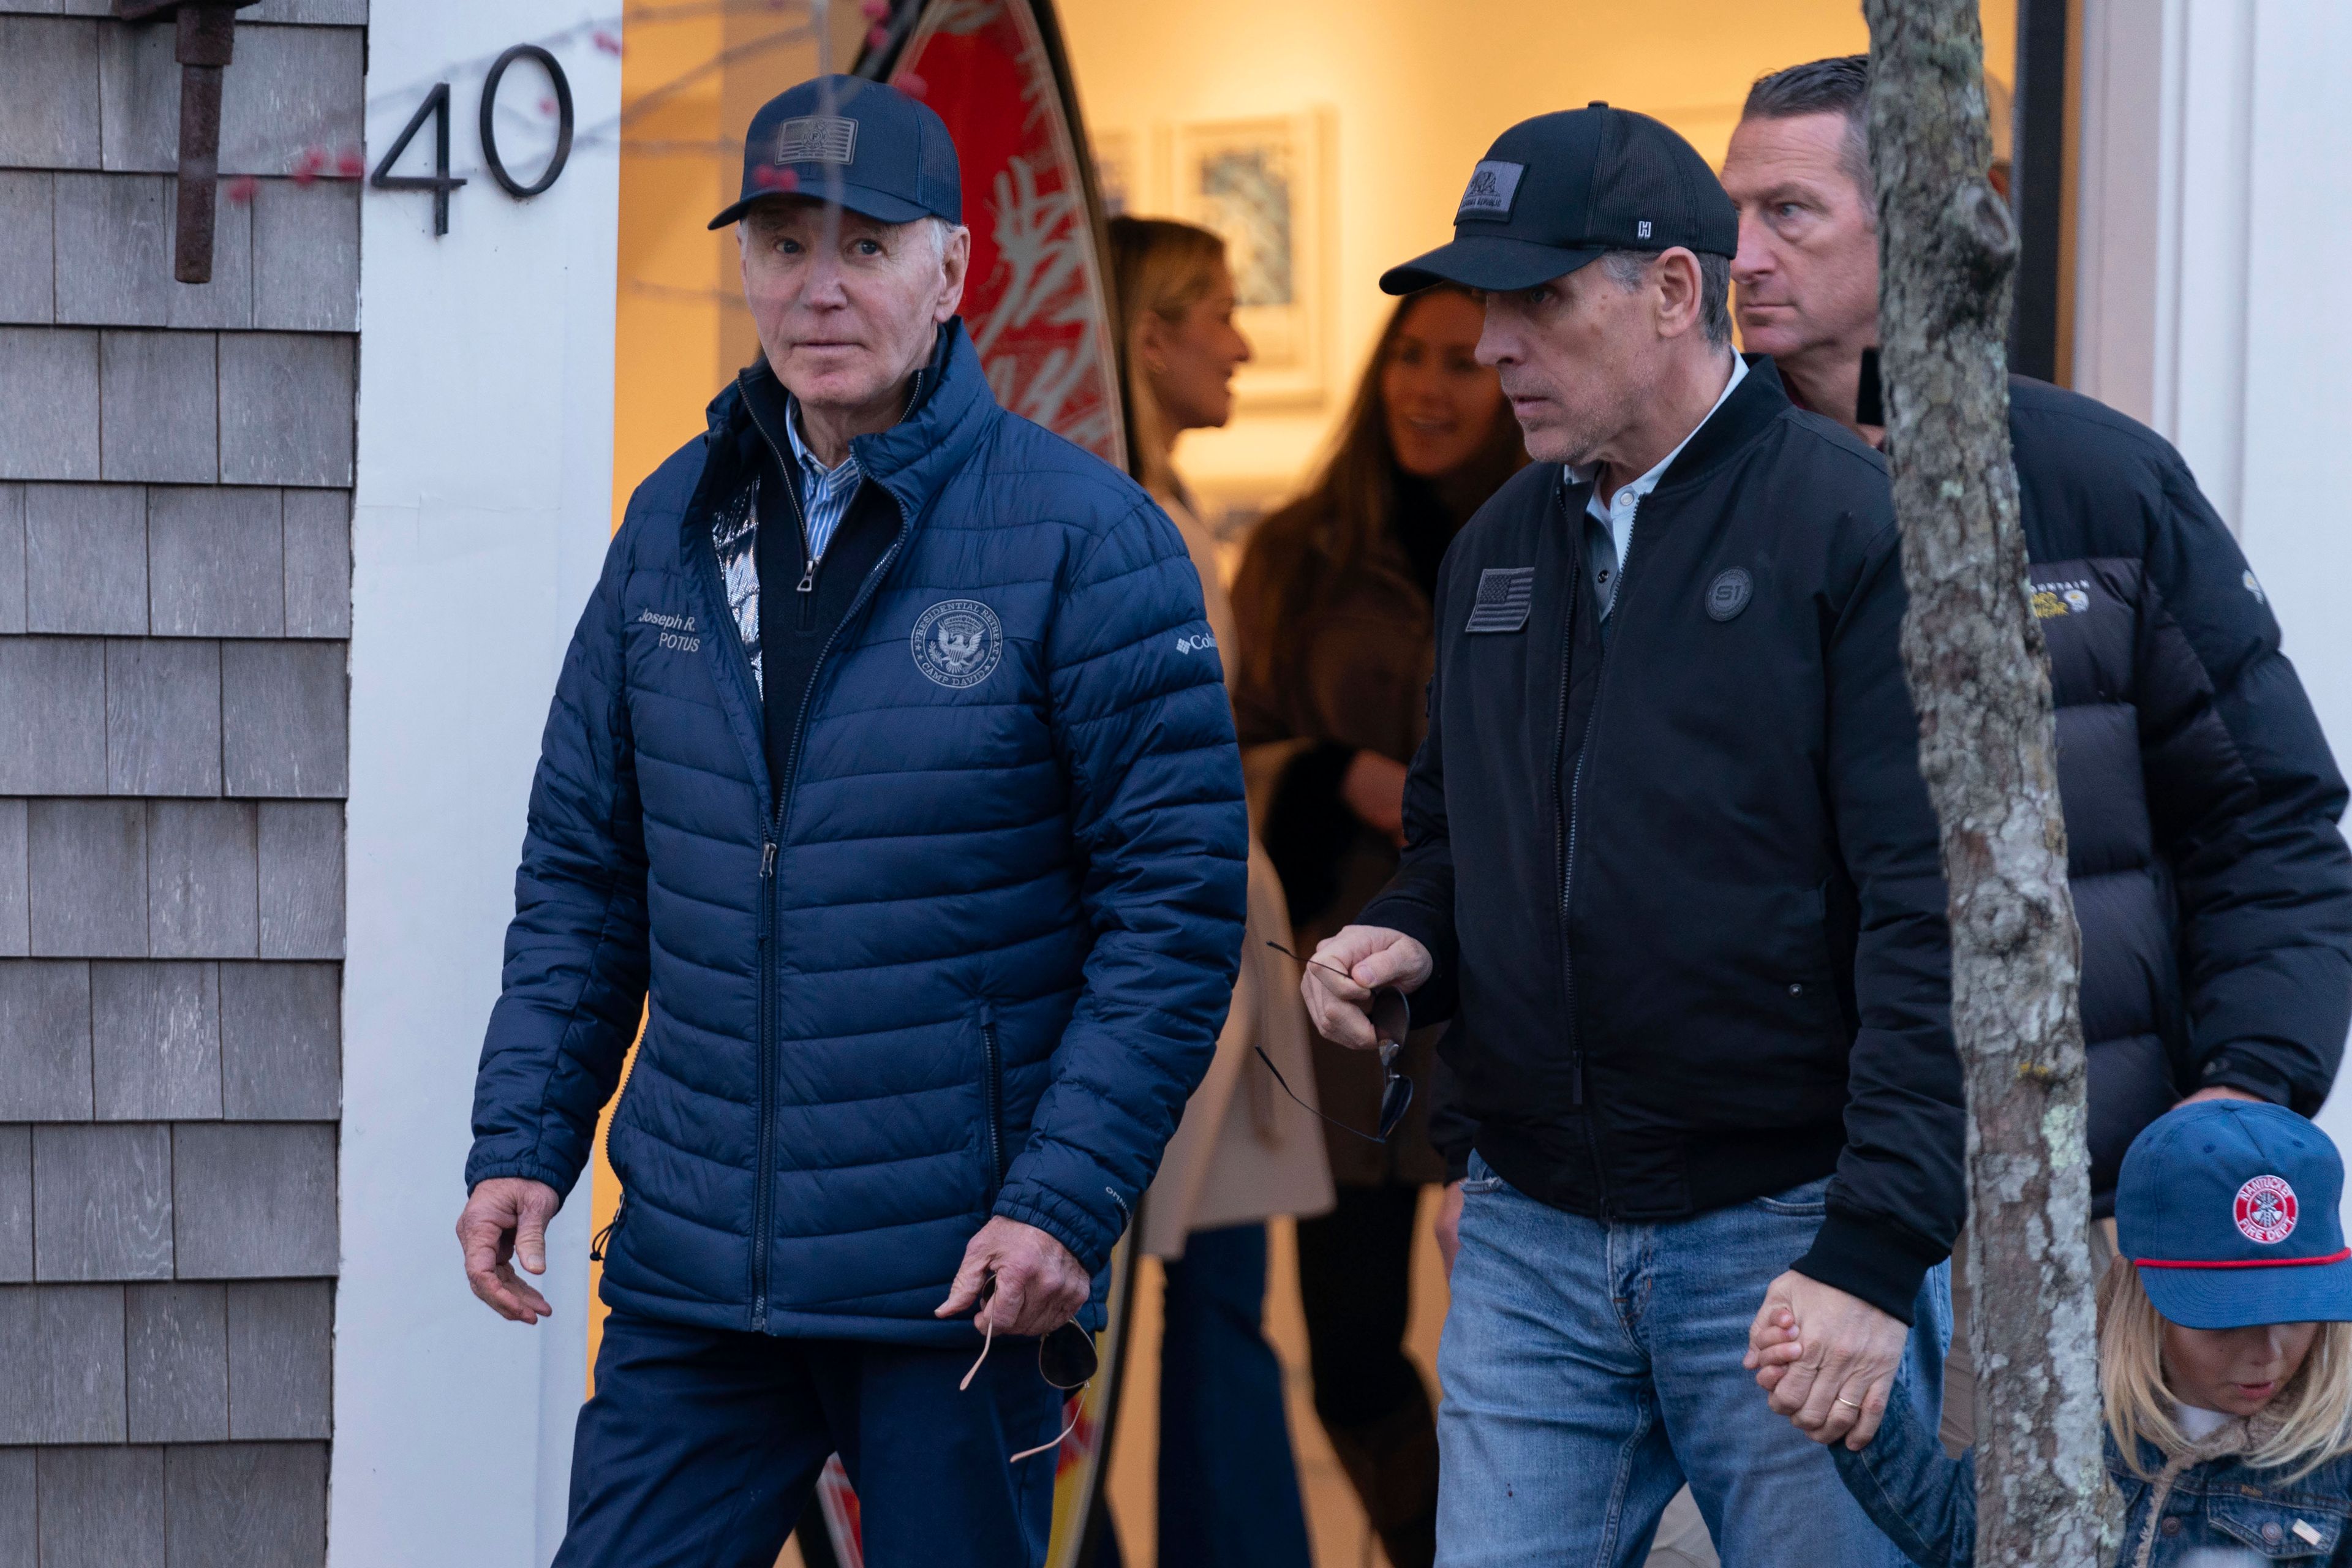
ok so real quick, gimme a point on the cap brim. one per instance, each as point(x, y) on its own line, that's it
point(1491, 261)
point(879, 205)
point(2248, 1297)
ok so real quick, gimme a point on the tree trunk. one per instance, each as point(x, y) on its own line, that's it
point(1977, 674)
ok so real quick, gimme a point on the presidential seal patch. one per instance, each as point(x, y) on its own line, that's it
point(957, 643)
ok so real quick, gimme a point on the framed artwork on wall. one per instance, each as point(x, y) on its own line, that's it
point(1265, 185)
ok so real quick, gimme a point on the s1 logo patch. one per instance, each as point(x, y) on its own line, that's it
point(1728, 594)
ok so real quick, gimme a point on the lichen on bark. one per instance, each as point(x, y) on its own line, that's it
point(1979, 677)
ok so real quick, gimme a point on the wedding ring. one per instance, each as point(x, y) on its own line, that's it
point(1856, 1404)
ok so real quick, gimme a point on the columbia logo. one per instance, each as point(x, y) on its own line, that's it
point(1196, 643)
point(817, 139)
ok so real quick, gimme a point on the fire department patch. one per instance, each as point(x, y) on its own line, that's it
point(2265, 1210)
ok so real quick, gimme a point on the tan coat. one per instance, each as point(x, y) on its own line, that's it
point(1244, 1151)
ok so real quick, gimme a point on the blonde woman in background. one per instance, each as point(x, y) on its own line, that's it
point(1228, 1485)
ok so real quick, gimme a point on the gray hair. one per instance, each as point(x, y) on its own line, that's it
point(1837, 86)
point(1626, 269)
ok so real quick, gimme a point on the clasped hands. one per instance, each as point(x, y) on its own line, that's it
point(1039, 1285)
point(1825, 1360)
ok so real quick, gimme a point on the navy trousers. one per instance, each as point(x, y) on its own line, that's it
point(1228, 1488)
point(701, 1448)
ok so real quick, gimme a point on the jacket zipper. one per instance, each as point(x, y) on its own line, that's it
point(784, 789)
point(991, 1088)
point(764, 1164)
point(1567, 838)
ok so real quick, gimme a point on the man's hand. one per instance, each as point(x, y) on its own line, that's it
point(1039, 1286)
point(1835, 1385)
point(507, 1219)
point(1348, 968)
point(1449, 1225)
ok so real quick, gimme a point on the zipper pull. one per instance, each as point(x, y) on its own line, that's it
point(808, 577)
point(768, 860)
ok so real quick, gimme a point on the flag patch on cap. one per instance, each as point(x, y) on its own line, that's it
point(1493, 185)
point(817, 139)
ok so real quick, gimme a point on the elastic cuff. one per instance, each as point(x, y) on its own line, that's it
point(491, 1171)
point(1870, 1258)
point(1045, 1214)
point(2227, 1068)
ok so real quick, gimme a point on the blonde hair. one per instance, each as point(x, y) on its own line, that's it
point(2313, 1410)
point(1159, 268)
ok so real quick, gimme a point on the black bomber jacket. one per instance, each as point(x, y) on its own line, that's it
point(1684, 891)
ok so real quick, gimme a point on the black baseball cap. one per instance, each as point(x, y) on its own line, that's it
point(863, 143)
point(1560, 191)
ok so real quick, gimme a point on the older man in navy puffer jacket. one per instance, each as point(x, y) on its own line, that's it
point(891, 772)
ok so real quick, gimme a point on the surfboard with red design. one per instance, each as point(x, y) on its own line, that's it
point(1036, 304)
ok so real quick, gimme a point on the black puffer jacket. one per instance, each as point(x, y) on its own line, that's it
point(2212, 887)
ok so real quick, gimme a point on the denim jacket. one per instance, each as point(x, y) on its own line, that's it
point(2203, 1509)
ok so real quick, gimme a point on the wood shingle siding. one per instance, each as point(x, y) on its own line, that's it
point(174, 595)
point(252, 1200)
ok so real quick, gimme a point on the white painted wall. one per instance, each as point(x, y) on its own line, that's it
point(482, 512)
point(2216, 207)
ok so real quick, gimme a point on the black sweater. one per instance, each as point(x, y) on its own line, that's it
point(1685, 900)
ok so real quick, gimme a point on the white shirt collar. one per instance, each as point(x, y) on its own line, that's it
point(1629, 495)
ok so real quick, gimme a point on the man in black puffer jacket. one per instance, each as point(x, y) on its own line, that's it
point(2212, 887)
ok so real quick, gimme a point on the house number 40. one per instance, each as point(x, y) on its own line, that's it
point(436, 107)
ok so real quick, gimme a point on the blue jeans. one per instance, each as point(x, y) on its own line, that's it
point(1228, 1488)
point(1591, 1367)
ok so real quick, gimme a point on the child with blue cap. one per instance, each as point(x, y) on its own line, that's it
point(2225, 1361)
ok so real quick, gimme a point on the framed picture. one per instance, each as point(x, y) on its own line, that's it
point(1265, 185)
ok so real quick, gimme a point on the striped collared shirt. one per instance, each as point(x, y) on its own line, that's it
point(824, 493)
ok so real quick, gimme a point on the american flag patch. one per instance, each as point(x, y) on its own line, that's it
point(817, 139)
point(1506, 594)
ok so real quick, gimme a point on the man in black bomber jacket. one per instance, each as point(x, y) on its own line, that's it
point(1673, 873)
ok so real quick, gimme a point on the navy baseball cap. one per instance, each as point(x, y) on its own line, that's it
point(2232, 1212)
point(863, 143)
point(1560, 191)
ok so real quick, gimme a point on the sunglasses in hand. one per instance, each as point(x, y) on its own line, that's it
point(1391, 1018)
point(1065, 1360)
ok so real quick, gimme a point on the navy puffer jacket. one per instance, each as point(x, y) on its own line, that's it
point(2212, 887)
point(975, 963)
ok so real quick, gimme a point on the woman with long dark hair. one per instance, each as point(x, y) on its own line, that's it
point(1333, 606)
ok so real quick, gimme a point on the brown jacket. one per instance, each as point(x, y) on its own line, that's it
point(1367, 651)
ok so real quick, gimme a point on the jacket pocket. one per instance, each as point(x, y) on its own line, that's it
point(2279, 1531)
point(991, 1100)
